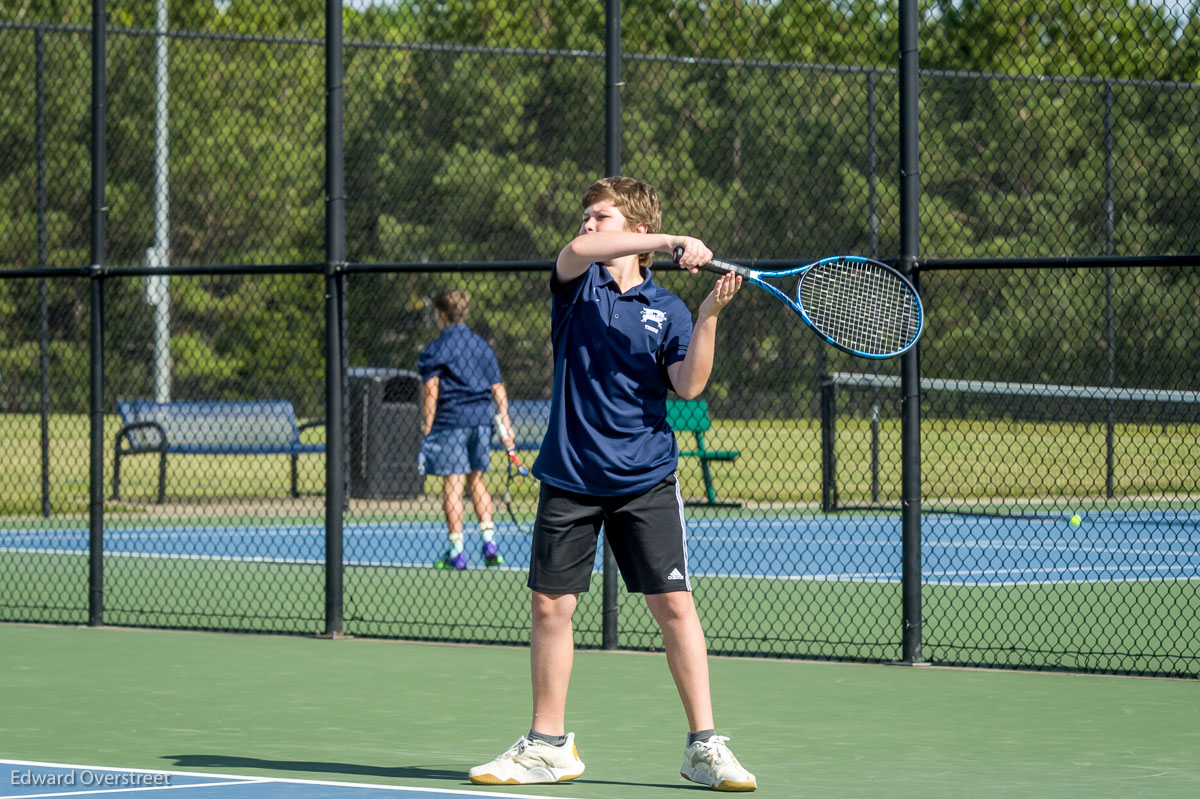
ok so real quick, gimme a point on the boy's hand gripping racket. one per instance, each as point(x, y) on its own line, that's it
point(515, 469)
point(856, 304)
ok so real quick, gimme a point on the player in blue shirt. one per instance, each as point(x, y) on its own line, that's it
point(460, 381)
point(609, 457)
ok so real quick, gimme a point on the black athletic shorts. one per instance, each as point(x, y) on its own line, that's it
point(646, 532)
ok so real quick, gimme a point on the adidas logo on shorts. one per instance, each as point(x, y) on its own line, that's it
point(674, 575)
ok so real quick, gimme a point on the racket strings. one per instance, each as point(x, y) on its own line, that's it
point(860, 305)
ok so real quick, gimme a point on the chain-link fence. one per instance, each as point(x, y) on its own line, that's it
point(1059, 403)
point(1059, 483)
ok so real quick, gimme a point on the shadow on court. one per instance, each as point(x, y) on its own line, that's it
point(235, 765)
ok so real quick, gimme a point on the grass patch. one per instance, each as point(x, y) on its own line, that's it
point(780, 464)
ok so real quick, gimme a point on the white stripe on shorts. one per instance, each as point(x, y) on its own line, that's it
point(687, 574)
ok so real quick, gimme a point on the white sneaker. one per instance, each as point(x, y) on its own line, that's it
point(531, 762)
point(711, 763)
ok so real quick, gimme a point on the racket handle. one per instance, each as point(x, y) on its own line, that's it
point(724, 267)
point(501, 429)
point(718, 267)
point(516, 462)
point(502, 433)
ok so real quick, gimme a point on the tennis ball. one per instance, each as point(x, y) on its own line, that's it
point(1076, 520)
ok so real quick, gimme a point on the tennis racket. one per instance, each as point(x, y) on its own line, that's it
point(858, 305)
point(516, 471)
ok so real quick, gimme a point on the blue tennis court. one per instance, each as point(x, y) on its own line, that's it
point(957, 549)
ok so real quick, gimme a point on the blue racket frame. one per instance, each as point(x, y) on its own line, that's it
point(759, 278)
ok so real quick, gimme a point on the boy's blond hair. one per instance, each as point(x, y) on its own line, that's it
point(454, 303)
point(636, 200)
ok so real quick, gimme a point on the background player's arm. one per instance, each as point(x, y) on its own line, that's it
point(500, 395)
point(429, 395)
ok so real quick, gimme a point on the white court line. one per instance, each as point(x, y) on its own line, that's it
point(240, 559)
point(1166, 567)
point(1022, 547)
point(171, 533)
point(168, 556)
point(1082, 570)
point(1013, 546)
point(938, 577)
point(131, 789)
point(242, 779)
point(934, 578)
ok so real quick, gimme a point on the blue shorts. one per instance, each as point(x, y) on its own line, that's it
point(456, 450)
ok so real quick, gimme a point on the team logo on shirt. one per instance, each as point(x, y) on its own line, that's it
point(652, 319)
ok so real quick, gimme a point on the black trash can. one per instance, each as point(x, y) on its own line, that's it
point(385, 433)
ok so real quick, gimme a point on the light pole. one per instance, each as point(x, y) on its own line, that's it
point(158, 255)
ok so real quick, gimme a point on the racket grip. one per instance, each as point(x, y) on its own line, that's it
point(717, 267)
point(498, 424)
point(724, 267)
point(502, 433)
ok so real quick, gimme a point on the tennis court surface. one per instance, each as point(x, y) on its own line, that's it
point(230, 715)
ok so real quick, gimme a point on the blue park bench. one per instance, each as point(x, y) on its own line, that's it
point(530, 418)
point(266, 427)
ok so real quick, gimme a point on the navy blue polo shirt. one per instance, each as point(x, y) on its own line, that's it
point(466, 369)
point(608, 433)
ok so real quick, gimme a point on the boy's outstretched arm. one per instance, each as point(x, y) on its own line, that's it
point(690, 376)
point(600, 246)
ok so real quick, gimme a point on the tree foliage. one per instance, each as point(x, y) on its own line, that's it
point(471, 128)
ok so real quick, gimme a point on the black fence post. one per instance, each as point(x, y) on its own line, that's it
point(98, 257)
point(828, 435)
point(612, 166)
point(39, 47)
point(1110, 316)
point(910, 375)
point(335, 250)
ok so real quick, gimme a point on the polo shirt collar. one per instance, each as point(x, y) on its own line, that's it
point(641, 291)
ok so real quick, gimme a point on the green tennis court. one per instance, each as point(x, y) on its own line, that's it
point(419, 715)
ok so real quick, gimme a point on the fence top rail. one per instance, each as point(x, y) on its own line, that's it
point(538, 52)
point(1020, 389)
point(1060, 262)
point(145, 271)
point(931, 265)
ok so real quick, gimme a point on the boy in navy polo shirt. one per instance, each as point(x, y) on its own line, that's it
point(609, 457)
point(460, 381)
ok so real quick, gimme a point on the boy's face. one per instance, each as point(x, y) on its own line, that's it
point(604, 215)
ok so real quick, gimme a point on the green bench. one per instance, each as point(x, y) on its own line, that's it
point(691, 416)
point(531, 417)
